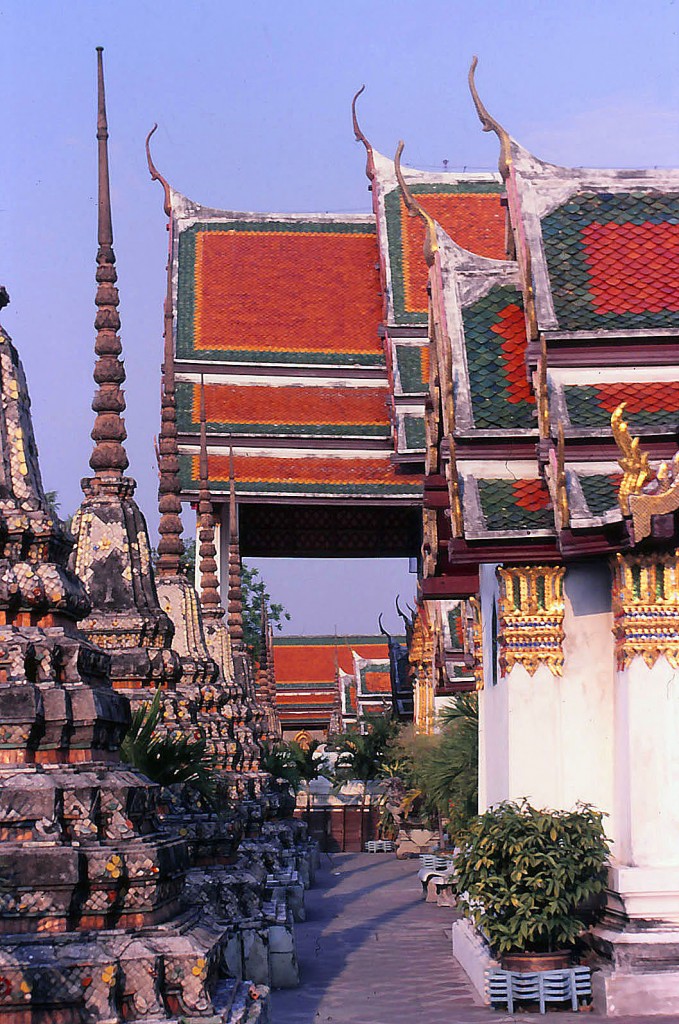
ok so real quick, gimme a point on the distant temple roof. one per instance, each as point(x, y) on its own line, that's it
point(307, 669)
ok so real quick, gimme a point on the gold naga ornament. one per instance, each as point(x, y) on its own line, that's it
point(643, 492)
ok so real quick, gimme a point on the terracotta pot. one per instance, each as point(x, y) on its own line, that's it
point(529, 962)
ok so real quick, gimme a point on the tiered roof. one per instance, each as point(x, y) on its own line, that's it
point(534, 354)
point(288, 317)
point(467, 205)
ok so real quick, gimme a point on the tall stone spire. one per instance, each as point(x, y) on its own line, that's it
point(209, 584)
point(170, 546)
point(235, 580)
point(113, 553)
point(108, 457)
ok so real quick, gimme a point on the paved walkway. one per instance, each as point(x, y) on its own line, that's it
point(373, 952)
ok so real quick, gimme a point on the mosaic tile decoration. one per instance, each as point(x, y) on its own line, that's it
point(515, 505)
point(307, 291)
point(413, 368)
point(375, 679)
point(470, 213)
point(415, 432)
point(612, 260)
point(495, 338)
point(600, 491)
point(303, 476)
point(337, 411)
point(649, 404)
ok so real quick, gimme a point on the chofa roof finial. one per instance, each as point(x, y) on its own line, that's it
point(361, 137)
point(156, 175)
point(416, 210)
point(489, 123)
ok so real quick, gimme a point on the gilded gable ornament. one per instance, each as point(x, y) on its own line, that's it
point(643, 492)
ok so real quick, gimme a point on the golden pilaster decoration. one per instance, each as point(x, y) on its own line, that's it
point(531, 617)
point(646, 608)
point(475, 641)
point(456, 517)
point(421, 657)
point(643, 492)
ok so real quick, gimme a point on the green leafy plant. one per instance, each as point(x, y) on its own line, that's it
point(279, 761)
point(363, 754)
point(310, 765)
point(523, 874)
point(168, 758)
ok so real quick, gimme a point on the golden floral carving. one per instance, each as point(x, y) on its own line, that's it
point(531, 610)
point(476, 639)
point(646, 608)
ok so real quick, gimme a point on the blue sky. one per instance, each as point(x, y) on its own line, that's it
point(252, 102)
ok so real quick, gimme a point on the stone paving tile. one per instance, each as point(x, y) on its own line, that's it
point(373, 952)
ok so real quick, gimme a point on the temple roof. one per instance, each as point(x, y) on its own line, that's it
point(306, 673)
point(544, 347)
point(602, 244)
point(467, 206)
point(277, 289)
point(285, 316)
point(280, 315)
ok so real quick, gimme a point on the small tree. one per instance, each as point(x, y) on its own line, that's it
point(254, 595)
point(362, 756)
point(523, 874)
point(278, 760)
point(308, 764)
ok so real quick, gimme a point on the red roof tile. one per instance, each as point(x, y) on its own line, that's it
point(475, 221)
point(287, 291)
point(629, 266)
point(226, 403)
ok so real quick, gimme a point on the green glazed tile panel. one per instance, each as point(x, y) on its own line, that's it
point(495, 340)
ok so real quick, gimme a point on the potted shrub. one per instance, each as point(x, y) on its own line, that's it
point(523, 876)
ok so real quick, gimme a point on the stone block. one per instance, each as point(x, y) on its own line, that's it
point(255, 956)
point(284, 970)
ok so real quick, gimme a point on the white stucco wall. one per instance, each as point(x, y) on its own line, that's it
point(647, 764)
point(545, 737)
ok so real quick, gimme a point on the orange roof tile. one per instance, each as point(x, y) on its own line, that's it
point(308, 470)
point(262, 404)
point(474, 221)
point(287, 290)
point(314, 663)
